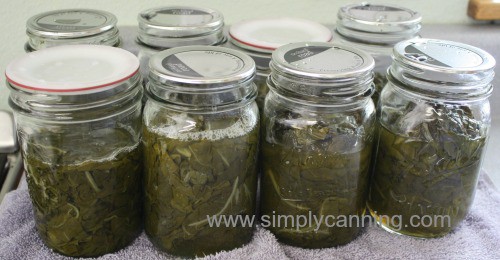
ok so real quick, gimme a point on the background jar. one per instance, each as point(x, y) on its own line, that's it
point(201, 136)
point(71, 27)
point(77, 110)
point(317, 141)
point(175, 26)
point(434, 124)
point(376, 29)
point(260, 37)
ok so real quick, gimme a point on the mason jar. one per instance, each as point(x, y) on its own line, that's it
point(376, 28)
point(434, 124)
point(175, 26)
point(71, 27)
point(316, 144)
point(200, 139)
point(78, 110)
point(260, 37)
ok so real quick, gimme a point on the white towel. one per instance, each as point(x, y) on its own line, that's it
point(478, 237)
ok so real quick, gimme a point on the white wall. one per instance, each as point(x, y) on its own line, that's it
point(14, 14)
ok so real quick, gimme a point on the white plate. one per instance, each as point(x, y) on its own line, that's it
point(265, 35)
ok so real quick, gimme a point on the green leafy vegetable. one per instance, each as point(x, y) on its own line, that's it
point(84, 207)
point(188, 180)
point(428, 163)
point(316, 164)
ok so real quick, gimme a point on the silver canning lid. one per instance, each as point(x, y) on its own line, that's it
point(383, 24)
point(174, 26)
point(72, 26)
point(453, 67)
point(326, 61)
point(201, 66)
point(322, 72)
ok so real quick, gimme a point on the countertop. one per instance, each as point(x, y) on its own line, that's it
point(484, 36)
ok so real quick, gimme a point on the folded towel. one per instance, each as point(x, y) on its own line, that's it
point(476, 238)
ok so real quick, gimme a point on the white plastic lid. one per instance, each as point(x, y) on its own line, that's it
point(265, 35)
point(72, 69)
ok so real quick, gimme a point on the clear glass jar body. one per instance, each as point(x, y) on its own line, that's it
point(315, 163)
point(83, 163)
point(199, 163)
point(428, 162)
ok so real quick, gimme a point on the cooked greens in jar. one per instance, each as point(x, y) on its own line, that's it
point(80, 136)
point(319, 168)
point(88, 208)
point(432, 137)
point(201, 138)
point(193, 176)
point(316, 144)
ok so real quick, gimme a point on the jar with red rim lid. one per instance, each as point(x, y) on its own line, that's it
point(78, 110)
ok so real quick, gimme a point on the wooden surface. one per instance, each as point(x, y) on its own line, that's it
point(484, 9)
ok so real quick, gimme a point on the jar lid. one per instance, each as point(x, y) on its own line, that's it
point(321, 61)
point(201, 65)
point(427, 62)
point(174, 26)
point(385, 24)
point(71, 23)
point(265, 35)
point(72, 70)
point(71, 26)
point(322, 73)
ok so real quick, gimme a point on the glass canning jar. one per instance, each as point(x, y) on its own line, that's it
point(201, 137)
point(260, 37)
point(71, 27)
point(175, 26)
point(376, 28)
point(317, 142)
point(434, 123)
point(78, 110)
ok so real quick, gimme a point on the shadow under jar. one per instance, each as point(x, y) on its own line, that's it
point(71, 27)
point(434, 124)
point(200, 137)
point(317, 142)
point(78, 111)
